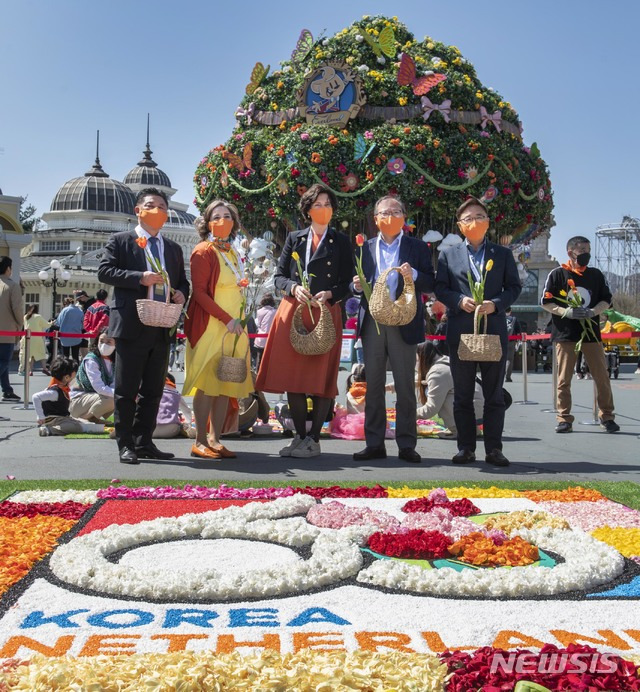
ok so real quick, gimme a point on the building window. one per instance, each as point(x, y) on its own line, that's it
point(32, 299)
point(91, 245)
point(60, 298)
point(529, 295)
point(55, 245)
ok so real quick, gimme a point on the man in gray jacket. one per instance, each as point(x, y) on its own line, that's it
point(11, 320)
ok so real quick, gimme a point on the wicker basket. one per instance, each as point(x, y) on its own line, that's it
point(319, 340)
point(480, 347)
point(155, 313)
point(392, 313)
point(232, 368)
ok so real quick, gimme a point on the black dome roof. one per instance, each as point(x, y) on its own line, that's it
point(95, 191)
point(147, 172)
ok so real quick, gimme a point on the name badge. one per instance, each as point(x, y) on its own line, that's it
point(158, 289)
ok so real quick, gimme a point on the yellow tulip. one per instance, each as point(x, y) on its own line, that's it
point(489, 265)
point(563, 293)
point(295, 256)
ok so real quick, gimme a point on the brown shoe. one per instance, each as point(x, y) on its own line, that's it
point(205, 453)
point(224, 452)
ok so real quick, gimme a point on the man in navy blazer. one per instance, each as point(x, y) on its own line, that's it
point(391, 248)
point(142, 352)
point(502, 288)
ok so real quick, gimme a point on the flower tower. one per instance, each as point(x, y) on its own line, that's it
point(372, 111)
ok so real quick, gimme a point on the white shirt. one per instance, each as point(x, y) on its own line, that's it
point(389, 256)
point(92, 369)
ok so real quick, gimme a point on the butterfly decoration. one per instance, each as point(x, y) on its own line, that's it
point(240, 163)
point(407, 76)
point(291, 157)
point(258, 73)
point(303, 46)
point(361, 153)
point(385, 42)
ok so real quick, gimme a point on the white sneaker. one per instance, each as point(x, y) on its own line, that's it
point(43, 431)
point(294, 444)
point(637, 372)
point(308, 448)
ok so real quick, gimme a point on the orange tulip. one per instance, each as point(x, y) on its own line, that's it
point(548, 295)
point(141, 242)
point(360, 239)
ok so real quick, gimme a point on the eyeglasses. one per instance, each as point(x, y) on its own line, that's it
point(469, 219)
point(394, 212)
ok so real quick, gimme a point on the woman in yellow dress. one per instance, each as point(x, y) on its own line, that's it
point(214, 311)
point(37, 348)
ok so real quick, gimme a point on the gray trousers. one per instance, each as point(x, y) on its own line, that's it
point(402, 358)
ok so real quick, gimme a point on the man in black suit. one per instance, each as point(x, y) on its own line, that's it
point(142, 351)
point(502, 287)
point(391, 248)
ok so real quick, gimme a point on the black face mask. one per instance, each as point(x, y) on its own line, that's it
point(583, 258)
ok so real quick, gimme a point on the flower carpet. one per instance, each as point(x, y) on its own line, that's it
point(323, 588)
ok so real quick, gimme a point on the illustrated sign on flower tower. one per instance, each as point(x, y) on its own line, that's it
point(373, 111)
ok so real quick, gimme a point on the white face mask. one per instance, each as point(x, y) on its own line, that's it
point(106, 349)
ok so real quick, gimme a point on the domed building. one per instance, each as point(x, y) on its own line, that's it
point(83, 213)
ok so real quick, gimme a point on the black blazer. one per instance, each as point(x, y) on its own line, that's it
point(452, 284)
point(122, 265)
point(332, 265)
point(418, 255)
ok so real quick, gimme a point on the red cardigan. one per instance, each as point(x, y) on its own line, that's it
point(205, 270)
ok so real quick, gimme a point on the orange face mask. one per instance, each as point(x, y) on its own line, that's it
point(154, 218)
point(221, 228)
point(321, 215)
point(390, 225)
point(475, 231)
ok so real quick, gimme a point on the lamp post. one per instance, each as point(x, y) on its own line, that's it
point(51, 279)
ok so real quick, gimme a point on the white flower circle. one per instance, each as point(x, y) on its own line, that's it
point(335, 556)
point(588, 563)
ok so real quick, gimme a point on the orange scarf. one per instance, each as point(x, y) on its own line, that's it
point(579, 270)
point(358, 391)
point(57, 383)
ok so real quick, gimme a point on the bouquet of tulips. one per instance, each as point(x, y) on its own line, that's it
point(304, 278)
point(572, 299)
point(366, 286)
point(477, 287)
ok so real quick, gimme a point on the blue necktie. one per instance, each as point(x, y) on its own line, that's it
point(158, 289)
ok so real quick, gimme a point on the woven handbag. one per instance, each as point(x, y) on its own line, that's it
point(480, 347)
point(319, 340)
point(155, 313)
point(232, 368)
point(392, 313)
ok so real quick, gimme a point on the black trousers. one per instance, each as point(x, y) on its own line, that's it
point(72, 352)
point(464, 382)
point(141, 370)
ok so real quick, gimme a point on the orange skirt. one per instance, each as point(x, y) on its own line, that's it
point(282, 369)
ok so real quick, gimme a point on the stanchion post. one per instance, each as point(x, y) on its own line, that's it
point(26, 406)
point(525, 367)
point(554, 381)
point(55, 346)
point(595, 420)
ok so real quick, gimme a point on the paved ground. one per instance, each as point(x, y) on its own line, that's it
point(536, 452)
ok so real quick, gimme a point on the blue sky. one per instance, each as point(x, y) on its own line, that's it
point(569, 68)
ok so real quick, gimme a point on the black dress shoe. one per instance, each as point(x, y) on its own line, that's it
point(128, 456)
point(152, 452)
point(409, 454)
point(496, 458)
point(464, 456)
point(370, 453)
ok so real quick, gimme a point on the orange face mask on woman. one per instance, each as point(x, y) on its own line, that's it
point(154, 218)
point(321, 215)
point(390, 225)
point(475, 231)
point(221, 228)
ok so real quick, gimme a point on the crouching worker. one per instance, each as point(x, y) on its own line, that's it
point(174, 414)
point(52, 404)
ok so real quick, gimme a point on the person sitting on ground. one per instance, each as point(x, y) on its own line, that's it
point(52, 404)
point(172, 407)
point(92, 393)
point(97, 314)
point(435, 389)
point(356, 389)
